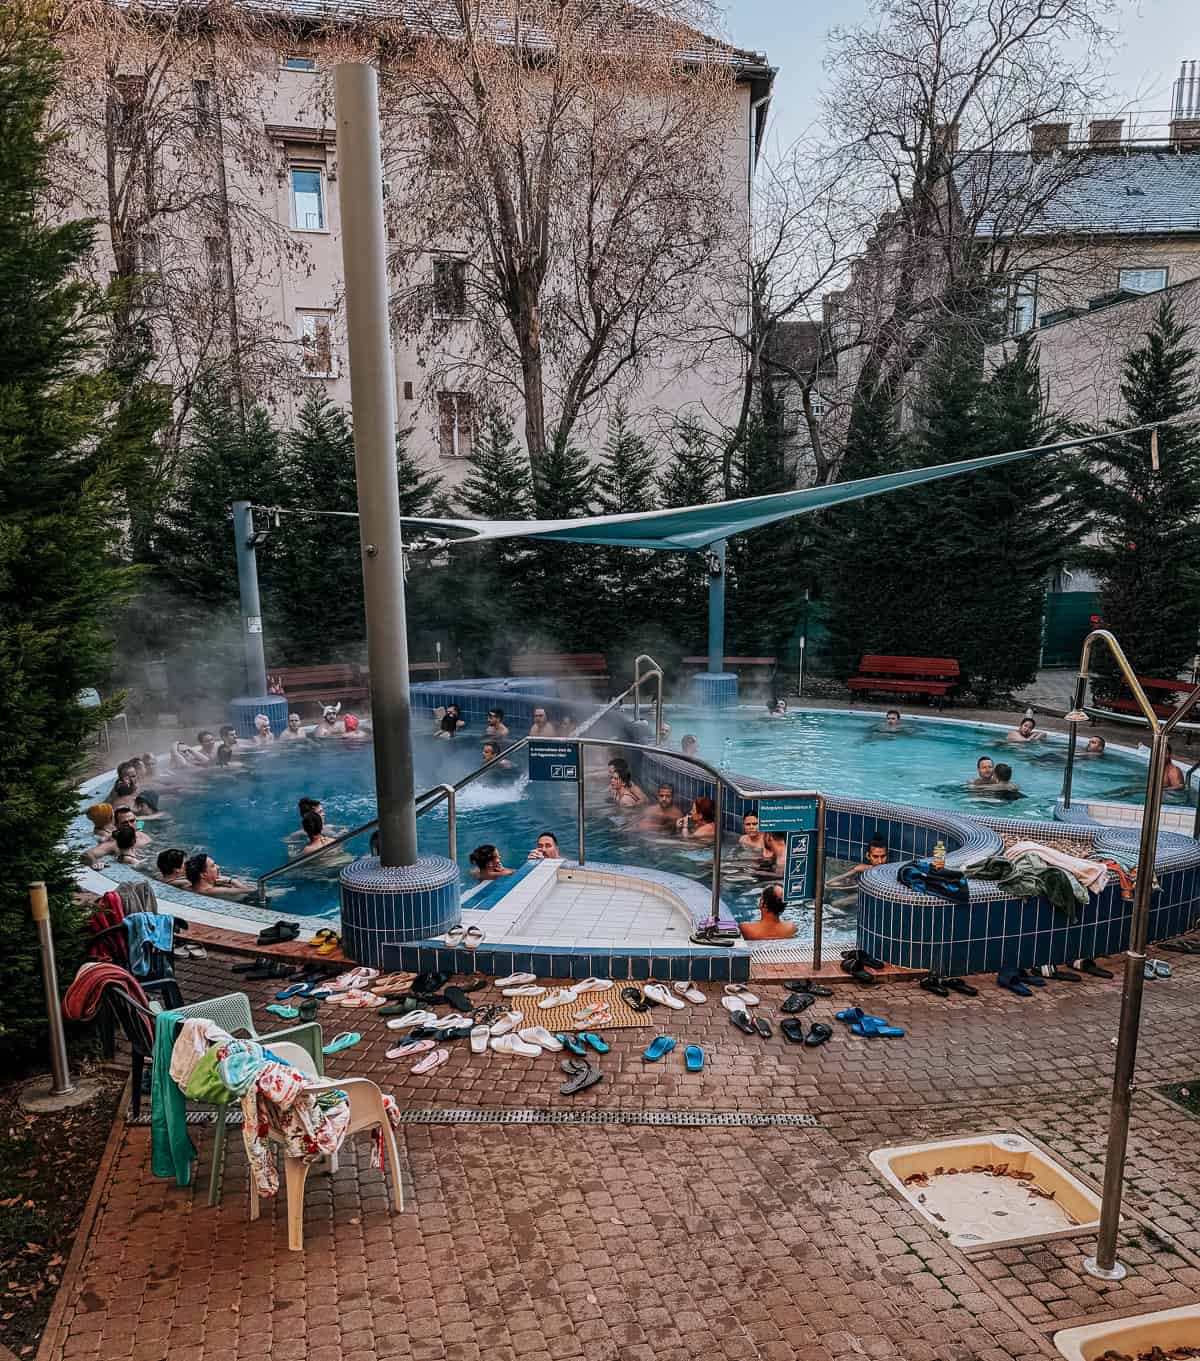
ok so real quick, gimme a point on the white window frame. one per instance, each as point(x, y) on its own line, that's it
point(462, 435)
point(202, 106)
point(1023, 301)
point(288, 61)
point(458, 266)
point(816, 400)
point(308, 324)
point(1142, 269)
point(307, 168)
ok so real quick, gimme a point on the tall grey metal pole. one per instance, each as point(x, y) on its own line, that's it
point(364, 257)
point(60, 1071)
point(247, 570)
point(716, 611)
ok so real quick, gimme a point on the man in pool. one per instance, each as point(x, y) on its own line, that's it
point(496, 726)
point(664, 815)
point(206, 747)
point(490, 751)
point(542, 726)
point(204, 877)
point(689, 746)
point(1026, 731)
point(774, 854)
point(145, 806)
point(546, 848)
point(777, 708)
point(1172, 774)
point(1004, 787)
point(770, 924)
point(877, 854)
point(1095, 746)
point(891, 720)
point(294, 732)
point(986, 773)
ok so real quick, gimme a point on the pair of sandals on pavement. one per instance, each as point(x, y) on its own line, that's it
point(872, 1027)
point(655, 994)
point(662, 1045)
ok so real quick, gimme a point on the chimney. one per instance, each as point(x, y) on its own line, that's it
point(1105, 132)
point(1045, 138)
point(1185, 108)
point(945, 135)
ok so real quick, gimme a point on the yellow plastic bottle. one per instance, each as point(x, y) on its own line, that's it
point(939, 855)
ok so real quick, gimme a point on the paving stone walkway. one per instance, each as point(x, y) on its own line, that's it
point(635, 1243)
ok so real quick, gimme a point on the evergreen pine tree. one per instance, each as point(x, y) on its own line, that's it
point(558, 608)
point(1146, 522)
point(60, 509)
point(677, 615)
point(624, 578)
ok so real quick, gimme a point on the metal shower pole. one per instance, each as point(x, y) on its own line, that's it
point(247, 572)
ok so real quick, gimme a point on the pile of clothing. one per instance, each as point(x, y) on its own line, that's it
point(194, 1059)
point(1030, 869)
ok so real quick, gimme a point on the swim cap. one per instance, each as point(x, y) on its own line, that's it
point(350, 723)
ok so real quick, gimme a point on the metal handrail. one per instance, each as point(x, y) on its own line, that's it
point(621, 698)
point(638, 677)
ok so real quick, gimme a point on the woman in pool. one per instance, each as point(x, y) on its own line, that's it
point(487, 864)
point(263, 736)
point(701, 823)
point(751, 840)
point(101, 817)
point(204, 876)
point(620, 766)
point(620, 789)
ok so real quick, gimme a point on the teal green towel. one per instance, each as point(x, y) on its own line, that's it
point(171, 1148)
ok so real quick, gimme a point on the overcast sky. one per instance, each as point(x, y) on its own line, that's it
point(1155, 36)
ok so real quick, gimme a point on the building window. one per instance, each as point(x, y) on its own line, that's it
point(127, 103)
point(316, 340)
point(816, 401)
point(1022, 305)
point(149, 268)
point(449, 286)
point(214, 259)
point(443, 140)
point(1141, 280)
point(456, 424)
point(202, 109)
point(308, 198)
point(292, 62)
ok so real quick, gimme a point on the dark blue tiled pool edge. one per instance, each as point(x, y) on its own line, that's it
point(567, 962)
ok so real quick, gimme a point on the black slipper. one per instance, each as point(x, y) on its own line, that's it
point(797, 1002)
point(1062, 975)
point(1031, 976)
point(743, 1022)
point(792, 1030)
point(932, 983)
point(818, 1033)
point(859, 975)
point(457, 998)
point(258, 962)
point(433, 999)
point(462, 1032)
point(803, 985)
point(763, 1026)
point(865, 961)
point(580, 1081)
point(474, 983)
point(308, 1009)
point(429, 982)
point(278, 932)
point(1089, 966)
point(635, 998)
point(961, 985)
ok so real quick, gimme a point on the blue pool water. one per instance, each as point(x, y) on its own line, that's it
point(244, 819)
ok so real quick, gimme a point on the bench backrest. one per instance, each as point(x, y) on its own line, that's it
point(337, 673)
point(530, 663)
point(909, 666)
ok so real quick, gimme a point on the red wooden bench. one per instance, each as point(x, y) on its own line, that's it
point(1151, 684)
point(932, 676)
point(318, 684)
point(591, 667)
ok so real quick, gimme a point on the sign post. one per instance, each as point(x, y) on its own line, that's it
point(560, 763)
point(801, 821)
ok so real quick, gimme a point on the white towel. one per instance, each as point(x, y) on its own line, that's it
point(1090, 873)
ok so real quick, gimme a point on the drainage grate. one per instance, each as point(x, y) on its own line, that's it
point(549, 1116)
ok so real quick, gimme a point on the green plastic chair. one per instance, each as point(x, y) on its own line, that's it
point(232, 1013)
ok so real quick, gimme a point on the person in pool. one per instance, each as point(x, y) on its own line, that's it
point(126, 841)
point(313, 825)
point(100, 815)
point(620, 789)
point(985, 775)
point(145, 806)
point(620, 766)
point(751, 839)
point(689, 746)
point(1172, 773)
point(700, 824)
point(331, 724)
point(664, 814)
point(489, 752)
point(1004, 787)
point(227, 758)
point(891, 720)
point(204, 876)
point(451, 721)
point(542, 725)
point(877, 854)
point(496, 726)
point(546, 848)
point(487, 864)
point(170, 867)
point(1026, 731)
point(354, 729)
point(770, 924)
point(263, 736)
point(1095, 746)
point(294, 732)
point(777, 708)
point(774, 855)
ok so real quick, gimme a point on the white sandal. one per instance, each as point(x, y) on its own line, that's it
point(560, 997)
point(691, 992)
point(659, 992)
point(737, 990)
point(514, 980)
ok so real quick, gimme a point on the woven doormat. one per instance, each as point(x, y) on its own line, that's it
point(563, 1018)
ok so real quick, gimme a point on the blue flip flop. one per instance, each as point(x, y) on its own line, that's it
point(693, 1056)
point(346, 1040)
point(572, 1043)
point(874, 1027)
point(1008, 979)
point(660, 1045)
point(586, 1037)
point(852, 1015)
point(288, 1013)
point(293, 991)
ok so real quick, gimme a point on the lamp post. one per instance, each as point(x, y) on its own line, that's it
point(1104, 1264)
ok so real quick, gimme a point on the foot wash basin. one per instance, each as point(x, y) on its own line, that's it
point(990, 1189)
point(1168, 1329)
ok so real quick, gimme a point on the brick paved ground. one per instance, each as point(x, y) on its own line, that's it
point(658, 1244)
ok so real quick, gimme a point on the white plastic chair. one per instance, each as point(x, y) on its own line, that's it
point(366, 1111)
point(90, 699)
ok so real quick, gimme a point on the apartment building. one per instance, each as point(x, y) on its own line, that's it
point(258, 256)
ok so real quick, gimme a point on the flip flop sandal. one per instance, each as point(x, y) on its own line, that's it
point(410, 1020)
point(1148, 970)
point(873, 1027)
point(346, 1040)
point(818, 1033)
point(589, 1075)
point(850, 1014)
point(288, 1013)
point(455, 935)
point(1162, 968)
point(859, 974)
point(594, 1014)
point(763, 1026)
point(560, 997)
point(409, 1049)
point(515, 980)
point(693, 1058)
point(319, 937)
point(1089, 966)
point(246, 966)
point(430, 1062)
point(592, 985)
point(524, 990)
point(660, 993)
point(458, 999)
point(479, 1039)
point(691, 992)
point(733, 1004)
point(962, 986)
point(401, 1008)
point(736, 990)
point(474, 983)
point(635, 998)
point(931, 983)
point(574, 1043)
point(509, 1020)
point(1012, 983)
point(291, 991)
point(586, 1037)
point(309, 1008)
point(865, 960)
point(807, 985)
point(486, 1015)
point(473, 939)
point(660, 1045)
point(332, 944)
point(792, 1030)
point(797, 1002)
point(741, 1019)
point(1029, 977)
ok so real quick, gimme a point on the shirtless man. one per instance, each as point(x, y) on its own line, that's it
point(665, 814)
point(490, 751)
point(330, 724)
point(877, 854)
point(294, 732)
point(1026, 731)
point(986, 776)
point(1095, 746)
point(770, 924)
point(496, 726)
point(546, 848)
point(774, 853)
point(263, 736)
point(204, 877)
point(1172, 774)
point(542, 727)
